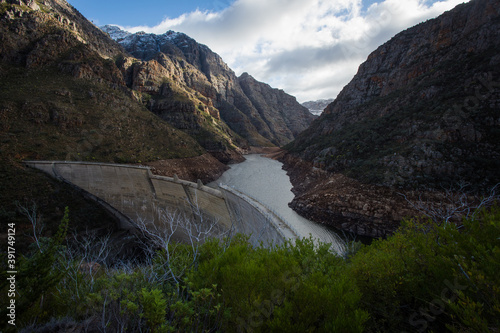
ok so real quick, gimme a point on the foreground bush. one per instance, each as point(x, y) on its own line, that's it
point(433, 277)
point(426, 277)
point(292, 288)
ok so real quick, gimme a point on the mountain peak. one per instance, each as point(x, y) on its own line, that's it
point(193, 66)
point(317, 107)
point(119, 35)
point(115, 32)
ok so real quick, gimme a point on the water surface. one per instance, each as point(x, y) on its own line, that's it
point(264, 179)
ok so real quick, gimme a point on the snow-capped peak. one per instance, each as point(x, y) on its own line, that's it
point(115, 32)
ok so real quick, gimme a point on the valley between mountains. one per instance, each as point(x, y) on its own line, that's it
point(418, 121)
point(407, 155)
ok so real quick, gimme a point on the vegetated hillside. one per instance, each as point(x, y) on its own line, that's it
point(63, 97)
point(420, 114)
point(173, 64)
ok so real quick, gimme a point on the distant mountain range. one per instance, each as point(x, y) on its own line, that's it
point(317, 107)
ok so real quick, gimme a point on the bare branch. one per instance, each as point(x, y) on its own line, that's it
point(453, 204)
point(31, 212)
point(176, 225)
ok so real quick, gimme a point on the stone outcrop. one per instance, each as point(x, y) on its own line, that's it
point(420, 114)
point(342, 202)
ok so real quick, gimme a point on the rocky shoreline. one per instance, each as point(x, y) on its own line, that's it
point(372, 210)
point(345, 203)
point(332, 199)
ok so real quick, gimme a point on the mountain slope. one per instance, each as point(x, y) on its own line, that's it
point(421, 113)
point(283, 115)
point(63, 97)
point(201, 72)
point(60, 81)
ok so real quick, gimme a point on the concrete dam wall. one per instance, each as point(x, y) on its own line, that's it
point(133, 193)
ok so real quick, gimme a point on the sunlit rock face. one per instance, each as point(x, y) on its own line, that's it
point(260, 114)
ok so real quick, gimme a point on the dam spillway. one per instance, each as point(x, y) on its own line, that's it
point(133, 193)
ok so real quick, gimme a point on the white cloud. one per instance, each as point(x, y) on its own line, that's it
point(309, 48)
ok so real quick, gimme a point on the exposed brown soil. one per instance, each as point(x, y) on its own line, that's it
point(205, 167)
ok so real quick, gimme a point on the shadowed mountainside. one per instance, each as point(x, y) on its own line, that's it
point(420, 114)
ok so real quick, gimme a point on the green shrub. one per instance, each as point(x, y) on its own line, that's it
point(155, 309)
point(424, 277)
point(428, 276)
point(291, 288)
point(38, 275)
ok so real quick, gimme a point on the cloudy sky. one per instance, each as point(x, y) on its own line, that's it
point(309, 48)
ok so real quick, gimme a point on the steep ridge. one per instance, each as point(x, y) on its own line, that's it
point(63, 96)
point(55, 16)
point(420, 115)
point(269, 119)
point(283, 115)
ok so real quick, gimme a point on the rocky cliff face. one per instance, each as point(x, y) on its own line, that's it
point(421, 113)
point(282, 114)
point(171, 89)
point(261, 115)
point(60, 25)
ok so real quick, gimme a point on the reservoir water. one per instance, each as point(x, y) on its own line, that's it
point(263, 179)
